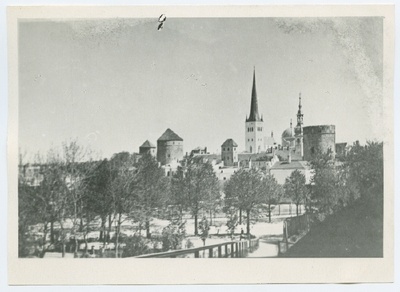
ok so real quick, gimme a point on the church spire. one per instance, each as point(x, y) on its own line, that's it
point(299, 113)
point(254, 115)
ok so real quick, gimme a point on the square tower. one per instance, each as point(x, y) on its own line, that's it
point(229, 154)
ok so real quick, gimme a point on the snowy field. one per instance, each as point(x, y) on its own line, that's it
point(261, 229)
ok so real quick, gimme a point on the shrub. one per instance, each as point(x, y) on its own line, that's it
point(172, 235)
point(135, 245)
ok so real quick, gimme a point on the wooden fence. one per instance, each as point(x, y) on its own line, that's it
point(231, 249)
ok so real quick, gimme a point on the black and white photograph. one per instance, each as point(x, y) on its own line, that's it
point(202, 137)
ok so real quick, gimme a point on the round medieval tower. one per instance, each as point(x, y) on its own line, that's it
point(318, 139)
point(169, 147)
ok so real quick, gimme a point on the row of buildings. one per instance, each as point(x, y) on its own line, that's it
point(298, 145)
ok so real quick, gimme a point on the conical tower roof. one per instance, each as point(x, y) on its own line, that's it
point(169, 135)
point(254, 115)
point(147, 144)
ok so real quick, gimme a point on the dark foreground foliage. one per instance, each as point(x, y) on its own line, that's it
point(353, 204)
point(355, 231)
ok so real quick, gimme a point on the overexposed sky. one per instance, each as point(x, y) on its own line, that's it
point(113, 84)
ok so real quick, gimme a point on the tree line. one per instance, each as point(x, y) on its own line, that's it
point(75, 191)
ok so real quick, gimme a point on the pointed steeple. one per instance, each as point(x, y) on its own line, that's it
point(299, 113)
point(254, 115)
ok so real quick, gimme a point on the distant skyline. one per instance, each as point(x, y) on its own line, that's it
point(113, 84)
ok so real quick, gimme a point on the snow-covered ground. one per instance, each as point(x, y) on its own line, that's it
point(264, 250)
point(218, 227)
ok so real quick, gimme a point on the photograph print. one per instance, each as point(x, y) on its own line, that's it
point(201, 137)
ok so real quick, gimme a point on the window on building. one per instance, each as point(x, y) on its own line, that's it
point(224, 178)
point(223, 149)
point(228, 149)
point(169, 155)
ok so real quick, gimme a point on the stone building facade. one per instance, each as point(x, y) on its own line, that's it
point(318, 139)
point(169, 148)
point(229, 153)
point(147, 148)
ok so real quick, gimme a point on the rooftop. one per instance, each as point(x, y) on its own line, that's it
point(147, 144)
point(229, 142)
point(254, 115)
point(169, 135)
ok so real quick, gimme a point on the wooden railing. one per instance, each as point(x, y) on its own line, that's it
point(232, 249)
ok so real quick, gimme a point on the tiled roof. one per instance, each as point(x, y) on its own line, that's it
point(229, 142)
point(147, 144)
point(169, 135)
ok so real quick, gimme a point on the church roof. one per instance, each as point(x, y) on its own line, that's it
point(229, 142)
point(254, 115)
point(169, 135)
point(147, 144)
point(287, 133)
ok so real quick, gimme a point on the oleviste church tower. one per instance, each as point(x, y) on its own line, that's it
point(254, 126)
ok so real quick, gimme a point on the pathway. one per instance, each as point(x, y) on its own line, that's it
point(266, 249)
